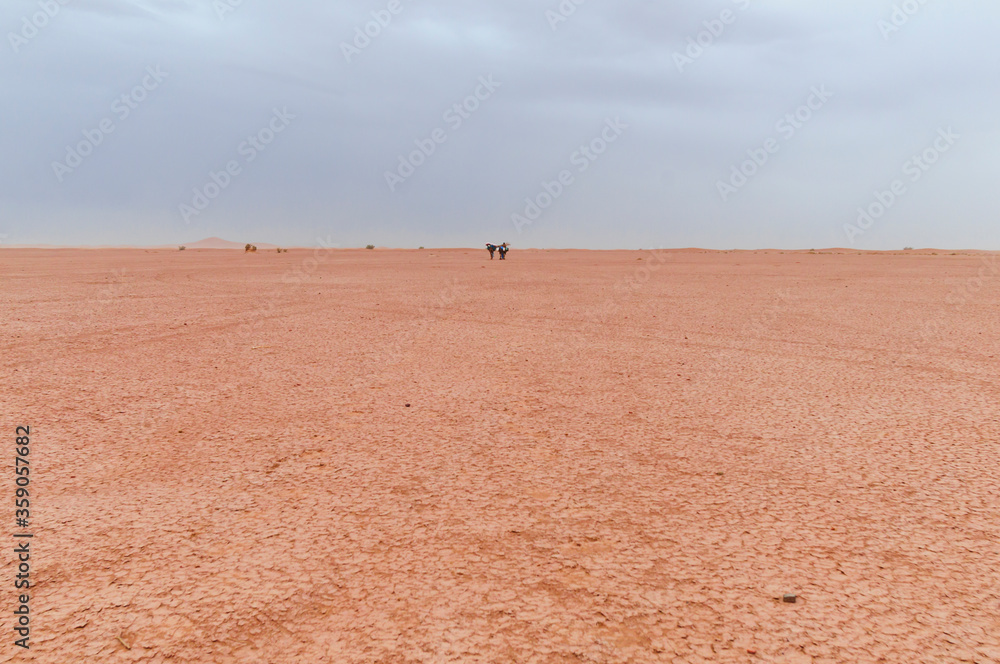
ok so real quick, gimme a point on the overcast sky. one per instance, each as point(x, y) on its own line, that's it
point(625, 124)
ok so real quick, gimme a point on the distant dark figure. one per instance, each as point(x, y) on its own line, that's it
point(491, 248)
point(503, 249)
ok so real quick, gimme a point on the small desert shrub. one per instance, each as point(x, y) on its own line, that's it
point(369, 246)
point(907, 248)
point(421, 247)
point(181, 248)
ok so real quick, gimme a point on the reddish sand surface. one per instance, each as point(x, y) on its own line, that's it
point(567, 456)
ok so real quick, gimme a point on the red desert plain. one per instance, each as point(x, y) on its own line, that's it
point(567, 456)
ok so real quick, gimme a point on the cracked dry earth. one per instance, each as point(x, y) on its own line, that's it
point(604, 459)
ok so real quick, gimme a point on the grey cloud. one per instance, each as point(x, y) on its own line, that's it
point(325, 176)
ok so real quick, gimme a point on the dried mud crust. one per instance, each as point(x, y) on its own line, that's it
point(603, 459)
